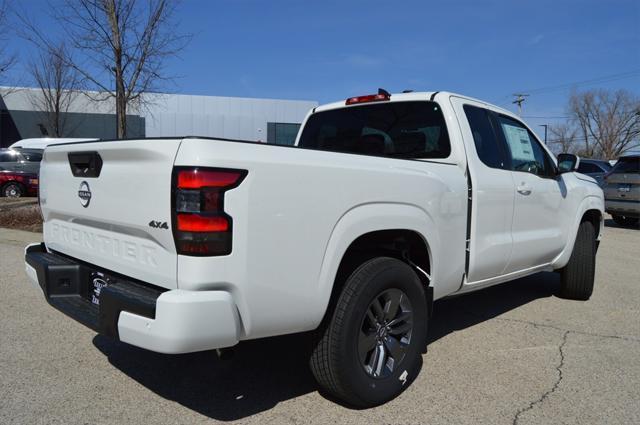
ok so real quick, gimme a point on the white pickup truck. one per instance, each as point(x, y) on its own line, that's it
point(385, 204)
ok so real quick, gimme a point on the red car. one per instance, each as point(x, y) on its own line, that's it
point(14, 184)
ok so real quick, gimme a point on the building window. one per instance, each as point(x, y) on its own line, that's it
point(281, 133)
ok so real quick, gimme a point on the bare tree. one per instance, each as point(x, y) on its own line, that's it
point(609, 122)
point(563, 138)
point(58, 84)
point(7, 59)
point(120, 47)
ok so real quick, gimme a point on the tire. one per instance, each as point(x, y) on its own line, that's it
point(346, 358)
point(12, 190)
point(577, 277)
point(625, 221)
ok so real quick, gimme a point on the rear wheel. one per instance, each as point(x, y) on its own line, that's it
point(370, 349)
point(625, 221)
point(577, 277)
point(12, 190)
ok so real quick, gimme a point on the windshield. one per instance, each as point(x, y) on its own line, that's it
point(627, 165)
point(393, 129)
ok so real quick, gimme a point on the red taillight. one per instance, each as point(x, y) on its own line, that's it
point(199, 223)
point(201, 226)
point(197, 178)
point(368, 98)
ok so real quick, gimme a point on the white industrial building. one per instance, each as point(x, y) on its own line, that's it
point(163, 115)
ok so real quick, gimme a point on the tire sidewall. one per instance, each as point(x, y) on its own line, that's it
point(395, 274)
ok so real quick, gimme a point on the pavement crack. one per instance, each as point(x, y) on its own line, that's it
point(557, 328)
point(555, 386)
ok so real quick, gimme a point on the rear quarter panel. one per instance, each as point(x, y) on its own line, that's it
point(298, 210)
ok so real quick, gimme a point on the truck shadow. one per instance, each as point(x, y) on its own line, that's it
point(461, 312)
point(262, 373)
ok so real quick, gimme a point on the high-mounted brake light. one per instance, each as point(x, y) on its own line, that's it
point(381, 96)
point(201, 227)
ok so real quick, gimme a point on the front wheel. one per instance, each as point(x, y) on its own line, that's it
point(577, 277)
point(370, 349)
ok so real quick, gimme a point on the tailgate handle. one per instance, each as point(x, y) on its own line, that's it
point(85, 164)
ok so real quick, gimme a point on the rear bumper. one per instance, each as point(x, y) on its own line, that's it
point(626, 208)
point(140, 314)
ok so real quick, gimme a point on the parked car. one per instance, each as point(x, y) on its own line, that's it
point(385, 204)
point(595, 168)
point(15, 184)
point(27, 160)
point(622, 191)
point(43, 142)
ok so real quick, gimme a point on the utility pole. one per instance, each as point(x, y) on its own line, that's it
point(545, 132)
point(520, 98)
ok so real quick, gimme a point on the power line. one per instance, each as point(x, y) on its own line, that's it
point(603, 79)
point(564, 86)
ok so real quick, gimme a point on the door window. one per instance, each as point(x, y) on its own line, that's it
point(31, 156)
point(526, 153)
point(487, 144)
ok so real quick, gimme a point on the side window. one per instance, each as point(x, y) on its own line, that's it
point(526, 153)
point(487, 144)
point(31, 156)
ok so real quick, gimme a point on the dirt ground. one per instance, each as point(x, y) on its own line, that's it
point(21, 214)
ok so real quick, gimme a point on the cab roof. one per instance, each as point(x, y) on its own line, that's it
point(404, 97)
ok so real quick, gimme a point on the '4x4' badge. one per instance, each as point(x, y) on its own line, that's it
point(158, 224)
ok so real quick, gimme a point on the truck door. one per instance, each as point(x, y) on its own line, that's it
point(490, 244)
point(539, 224)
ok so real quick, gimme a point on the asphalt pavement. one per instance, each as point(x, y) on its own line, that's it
point(514, 353)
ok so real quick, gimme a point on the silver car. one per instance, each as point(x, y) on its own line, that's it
point(26, 160)
point(622, 191)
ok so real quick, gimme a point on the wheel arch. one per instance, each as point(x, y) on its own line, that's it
point(399, 231)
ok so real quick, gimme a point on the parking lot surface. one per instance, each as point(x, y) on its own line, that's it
point(515, 353)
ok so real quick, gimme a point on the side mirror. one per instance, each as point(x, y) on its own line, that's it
point(568, 162)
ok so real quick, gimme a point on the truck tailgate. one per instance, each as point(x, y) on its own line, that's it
point(114, 219)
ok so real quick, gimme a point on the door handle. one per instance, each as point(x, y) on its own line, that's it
point(524, 190)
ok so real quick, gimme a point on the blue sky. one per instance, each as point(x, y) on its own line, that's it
point(330, 50)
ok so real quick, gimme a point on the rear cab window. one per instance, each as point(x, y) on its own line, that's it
point(627, 165)
point(407, 129)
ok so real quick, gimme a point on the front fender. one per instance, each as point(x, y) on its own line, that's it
point(591, 202)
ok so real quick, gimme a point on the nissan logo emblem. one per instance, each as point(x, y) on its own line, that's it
point(84, 193)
